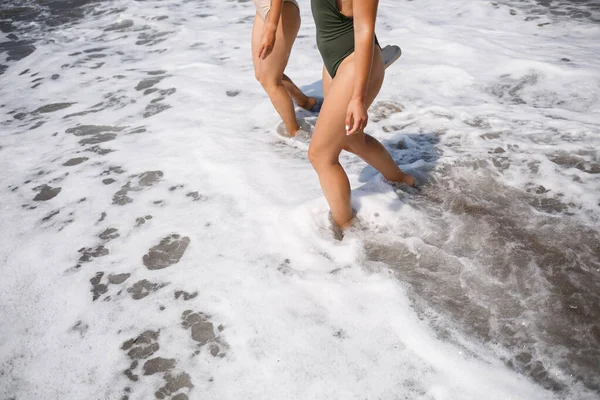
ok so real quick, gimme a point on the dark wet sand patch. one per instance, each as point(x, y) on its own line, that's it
point(109, 234)
point(82, 113)
point(37, 125)
point(168, 252)
point(75, 161)
point(195, 196)
point(94, 134)
point(173, 384)
point(115, 169)
point(50, 215)
point(99, 150)
point(144, 346)
point(143, 288)
point(53, 107)
point(135, 184)
point(151, 39)
point(46, 193)
point(491, 135)
point(168, 92)
point(142, 220)
point(536, 268)
point(89, 253)
point(17, 49)
point(567, 160)
point(95, 50)
point(202, 331)
point(119, 26)
point(100, 138)
point(136, 131)
point(148, 82)
point(98, 289)
point(158, 365)
point(155, 108)
point(185, 295)
point(117, 279)
point(129, 371)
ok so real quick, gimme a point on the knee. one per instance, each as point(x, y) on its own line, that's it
point(319, 158)
point(267, 81)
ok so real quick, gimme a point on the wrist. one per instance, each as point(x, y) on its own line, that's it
point(271, 27)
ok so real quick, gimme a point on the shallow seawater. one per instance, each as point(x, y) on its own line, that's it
point(161, 240)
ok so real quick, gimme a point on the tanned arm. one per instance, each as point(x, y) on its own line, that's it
point(268, 37)
point(365, 13)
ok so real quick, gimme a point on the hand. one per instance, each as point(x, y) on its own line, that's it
point(356, 117)
point(267, 42)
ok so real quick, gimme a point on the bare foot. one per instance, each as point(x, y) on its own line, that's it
point(409, 180)
point(405, 183)
point(402, 177)
point(312, 104)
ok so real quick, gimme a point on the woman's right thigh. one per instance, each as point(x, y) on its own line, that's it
point(329, 137)
point(326, 81)
point(273, 66)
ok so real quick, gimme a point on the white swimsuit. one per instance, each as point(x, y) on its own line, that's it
point(264, 6)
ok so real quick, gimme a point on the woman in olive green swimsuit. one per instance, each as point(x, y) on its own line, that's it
point(352, 76)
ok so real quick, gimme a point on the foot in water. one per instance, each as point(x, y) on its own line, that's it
point(313, 105)
point(316, 107)
point(408, 183)
point(304, 130)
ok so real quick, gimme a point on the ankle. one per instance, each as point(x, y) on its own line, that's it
point(401, 177)
point(293, 130)
point(308, 103)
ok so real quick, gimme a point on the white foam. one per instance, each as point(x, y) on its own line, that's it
point(304, 315)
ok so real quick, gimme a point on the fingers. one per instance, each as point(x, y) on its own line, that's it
point(264, 51)
point(355, 123)
point(267, 51)
point(349, 121)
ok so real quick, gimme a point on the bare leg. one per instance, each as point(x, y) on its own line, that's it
point(299, 97)
point(326, 81)
point(269, 72)
point(330, 138)
point(369, 149)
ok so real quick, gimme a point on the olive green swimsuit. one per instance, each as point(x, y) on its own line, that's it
point(335, 33)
